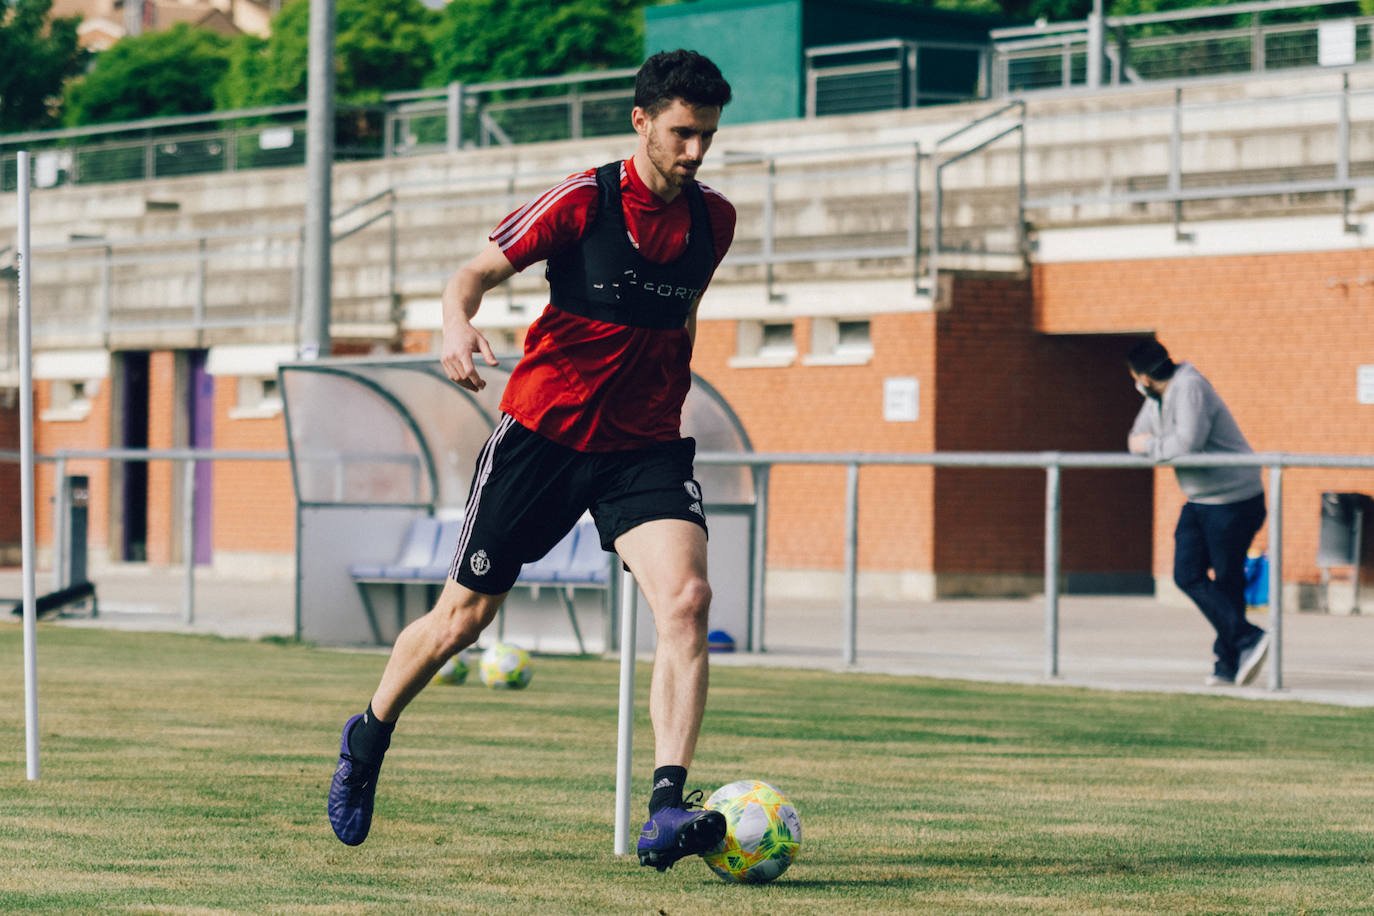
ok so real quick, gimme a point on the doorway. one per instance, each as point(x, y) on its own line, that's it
point(133, 475)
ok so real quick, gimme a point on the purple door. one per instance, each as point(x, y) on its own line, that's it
point(201, 415)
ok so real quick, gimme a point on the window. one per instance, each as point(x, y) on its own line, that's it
point(258, 398)
point(764, 343)
point(70, 399)
point(840, 342)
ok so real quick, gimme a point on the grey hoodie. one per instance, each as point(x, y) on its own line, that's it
point(1191, 420)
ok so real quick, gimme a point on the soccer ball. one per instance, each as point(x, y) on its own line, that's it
point(454, 671)
point(762, 832)
point(505, 667)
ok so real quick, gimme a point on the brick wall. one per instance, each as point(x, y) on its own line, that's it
point(988, 382)
point(254, 501)
point(803, 408)
point(164, 408)
point(11, 523)
point(93, 432)
point(1279, 336)
point(1003, 387)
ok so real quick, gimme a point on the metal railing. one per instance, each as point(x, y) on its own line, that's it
point(1142, 48)
point(1053, 463)
point(889, 74)
point(1188, 128)
point(458, 116)
point(864, 76)
point(186, 457)
point(414, 122)
point(99, 287)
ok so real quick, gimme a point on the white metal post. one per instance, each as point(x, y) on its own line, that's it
point(1052, 506)
point(1276, 576)
point(59, 525)
point(188, 541)
point(626, 730)
point(851, 563)
point(26, 478)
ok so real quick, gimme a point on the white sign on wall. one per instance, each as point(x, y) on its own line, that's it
point(276, 138)
point(1336, 43)
point(1364, 384)
point(901, 399)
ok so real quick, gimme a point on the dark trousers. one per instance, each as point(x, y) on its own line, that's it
point(1217, 538)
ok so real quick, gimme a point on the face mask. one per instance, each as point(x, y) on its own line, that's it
point(1144, 392)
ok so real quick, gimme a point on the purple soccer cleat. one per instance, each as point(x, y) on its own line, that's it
point(351, 793)
point(673, 833)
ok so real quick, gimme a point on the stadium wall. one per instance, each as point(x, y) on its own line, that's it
point(1009, 362)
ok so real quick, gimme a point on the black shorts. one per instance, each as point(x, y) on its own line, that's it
point(528, 492)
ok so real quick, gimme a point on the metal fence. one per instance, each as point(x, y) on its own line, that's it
point(1319, 120)
point(415, 122)
point(1169, 46)
point(894, 73)
point(839, 79)
point(460, 116)
point(1052, 463)
point(250, 278)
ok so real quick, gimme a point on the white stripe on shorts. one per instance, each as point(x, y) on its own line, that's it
point(484, 462)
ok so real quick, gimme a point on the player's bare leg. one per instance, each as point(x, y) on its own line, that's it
point(668, 558)
point(457, 619)
point(454, 623)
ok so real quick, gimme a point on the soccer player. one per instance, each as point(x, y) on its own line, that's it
point(591, 420)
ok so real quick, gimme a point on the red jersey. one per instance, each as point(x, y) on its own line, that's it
point(593, 385)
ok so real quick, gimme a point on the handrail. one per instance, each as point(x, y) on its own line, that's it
point(1052, 462)
point(1202, 12)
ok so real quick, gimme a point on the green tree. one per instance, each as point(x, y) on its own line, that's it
point(35, 60)
point(157, 74)
point(379, 46)
point(485, 40)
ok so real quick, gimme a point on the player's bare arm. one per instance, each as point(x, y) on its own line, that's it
point(462, 297)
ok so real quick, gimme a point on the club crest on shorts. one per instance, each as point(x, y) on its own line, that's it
point(480, 563)
point(693, 490)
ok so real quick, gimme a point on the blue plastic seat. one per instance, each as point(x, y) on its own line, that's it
point(416, 550)
point(437, 566)
point(588, 564)
point(544, 571)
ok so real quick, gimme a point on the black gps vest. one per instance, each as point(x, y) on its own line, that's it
point(603, 276)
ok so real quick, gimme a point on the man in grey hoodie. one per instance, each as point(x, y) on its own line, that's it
point(1183, 415)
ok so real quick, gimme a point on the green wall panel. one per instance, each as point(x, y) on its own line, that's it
point(757, 45)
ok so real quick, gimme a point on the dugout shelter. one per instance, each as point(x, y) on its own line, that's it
point(382, 455)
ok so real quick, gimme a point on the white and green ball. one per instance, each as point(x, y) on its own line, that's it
point(453, 672)
point(762, 832)
point(505, 667)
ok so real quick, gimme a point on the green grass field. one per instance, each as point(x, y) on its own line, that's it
point(188, 775)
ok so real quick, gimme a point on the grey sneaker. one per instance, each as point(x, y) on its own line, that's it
point(1252, 660)
point(1216, 680)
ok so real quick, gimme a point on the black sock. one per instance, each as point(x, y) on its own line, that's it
point(369, 737)
point(668, 783)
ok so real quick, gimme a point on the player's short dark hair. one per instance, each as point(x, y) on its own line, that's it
point(1150, 358)
point(679, 74)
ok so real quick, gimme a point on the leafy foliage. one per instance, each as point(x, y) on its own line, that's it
point(486, 40)
point(379, 46)
point(156, 74)
point(35, 60)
